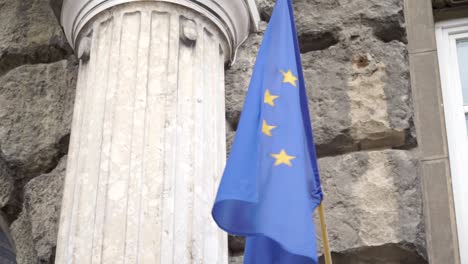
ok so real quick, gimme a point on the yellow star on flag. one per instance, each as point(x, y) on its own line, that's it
point(266, 129)
point(289, 78)
point(269, 98)
point(283, 158)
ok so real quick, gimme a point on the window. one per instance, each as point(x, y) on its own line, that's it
point(452, 49)
point(462, 54)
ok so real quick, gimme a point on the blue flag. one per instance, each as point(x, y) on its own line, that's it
point(271, 183)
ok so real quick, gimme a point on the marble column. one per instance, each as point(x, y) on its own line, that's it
point(148, 136)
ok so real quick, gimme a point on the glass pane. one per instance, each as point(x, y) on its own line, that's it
point(462, 47)
point(466, 118)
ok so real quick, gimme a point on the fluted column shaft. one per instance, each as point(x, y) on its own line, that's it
point(148, 139)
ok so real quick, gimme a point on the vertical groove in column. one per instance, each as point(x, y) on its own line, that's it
point(221, 129)
point(211, 54)
point(184, 157)
point(138, 139)
point(195, 150)
point(76, 240)
point(90, 169)
point(153, 154)
point(103, 173)
point(197, 221)
point(170, 152)
point(207, 117)
point(69, 186)
point(116, 211)
point(221, 117)
point(129, 180)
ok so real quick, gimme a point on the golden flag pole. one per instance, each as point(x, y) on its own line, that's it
point(323, 227)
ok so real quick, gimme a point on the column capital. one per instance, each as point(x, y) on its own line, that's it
point(235, 18)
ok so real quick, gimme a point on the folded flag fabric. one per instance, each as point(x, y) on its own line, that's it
point(271, 183)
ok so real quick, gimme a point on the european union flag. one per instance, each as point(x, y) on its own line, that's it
point(271, 184)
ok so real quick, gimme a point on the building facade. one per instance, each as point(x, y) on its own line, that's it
point(116, 118)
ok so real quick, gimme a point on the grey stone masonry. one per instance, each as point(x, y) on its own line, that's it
point(356, 65)
point(375, 102)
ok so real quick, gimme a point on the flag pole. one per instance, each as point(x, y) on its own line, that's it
point(323, 227)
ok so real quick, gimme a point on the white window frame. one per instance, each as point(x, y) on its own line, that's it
point(447, 34)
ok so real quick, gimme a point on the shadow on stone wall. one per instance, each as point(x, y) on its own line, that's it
point(388, 254)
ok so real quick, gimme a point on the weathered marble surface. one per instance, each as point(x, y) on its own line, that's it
point(148, 140)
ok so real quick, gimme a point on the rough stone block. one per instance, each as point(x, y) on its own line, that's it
point(236, 259)
point(35, 231)
point(359, 96)
point(331, 20)
point(6, 182)
point(237, 77)
point(35, 115)
point(43, 198)
point(373, 200)
point(358, 89)
point(30, 33)
point(21, 234)
point(373, 208)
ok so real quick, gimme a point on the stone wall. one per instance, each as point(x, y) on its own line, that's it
point(356, 69)
point(355, 60)
point(37, 87)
